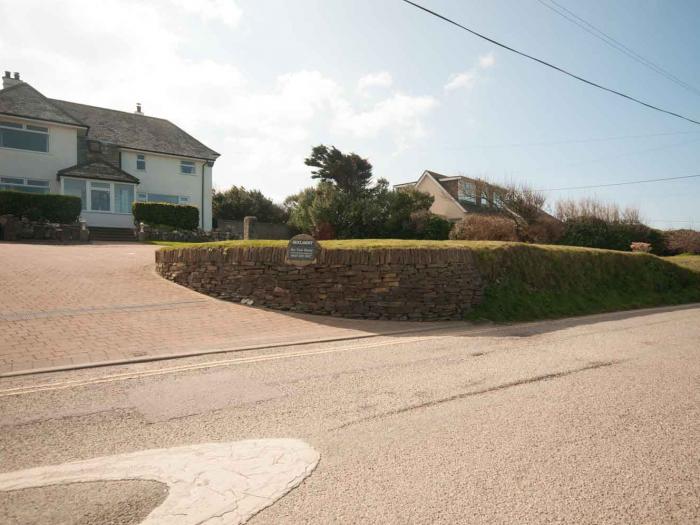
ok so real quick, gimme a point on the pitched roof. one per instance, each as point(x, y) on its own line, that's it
point(22, 100)
point(138, 132)
point(98, 170)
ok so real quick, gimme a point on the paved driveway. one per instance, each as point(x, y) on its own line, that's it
point(71, 305)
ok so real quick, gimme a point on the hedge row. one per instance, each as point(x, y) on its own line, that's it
point(64, 209)
point(178, 216)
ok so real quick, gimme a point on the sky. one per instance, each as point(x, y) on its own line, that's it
point(263, 81)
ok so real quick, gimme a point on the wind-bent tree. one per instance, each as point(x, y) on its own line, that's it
point(349, 172)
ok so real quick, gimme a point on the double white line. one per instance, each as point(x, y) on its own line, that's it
point(200, 366)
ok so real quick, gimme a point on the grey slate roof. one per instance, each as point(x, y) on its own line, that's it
point(22, 100)
point(98, 170)
point(139, 132)
point(127, 130)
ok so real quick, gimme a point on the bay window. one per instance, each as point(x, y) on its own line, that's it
point(97, 196)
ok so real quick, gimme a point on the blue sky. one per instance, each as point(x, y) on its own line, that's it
point(262, 81)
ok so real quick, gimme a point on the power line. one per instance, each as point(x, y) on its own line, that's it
point(552, 66)
point(621, 183)
point(615, 44)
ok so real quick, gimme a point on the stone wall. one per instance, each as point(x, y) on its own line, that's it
point(14, 229)
point(400, 284)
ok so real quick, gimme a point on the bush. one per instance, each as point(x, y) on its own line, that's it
point(592, 232)
point(480, 227)
point(237, 202)
point(175, 215)
point(428, 226)
point(50, 207)
point(682, 241)
point(543, 230)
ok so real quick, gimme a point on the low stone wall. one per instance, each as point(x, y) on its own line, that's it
point(14, 229)
point(400, 284)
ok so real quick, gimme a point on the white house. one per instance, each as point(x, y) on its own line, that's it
point(106, 157)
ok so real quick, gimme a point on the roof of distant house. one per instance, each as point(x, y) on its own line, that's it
point(128, 130)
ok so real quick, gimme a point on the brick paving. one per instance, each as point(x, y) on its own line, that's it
point(73, 305)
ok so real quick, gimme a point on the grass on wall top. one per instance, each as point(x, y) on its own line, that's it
point(528, 281)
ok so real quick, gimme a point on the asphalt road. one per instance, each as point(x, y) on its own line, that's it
point(593, 420)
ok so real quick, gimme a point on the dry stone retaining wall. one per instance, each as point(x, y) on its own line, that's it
point(402, 284)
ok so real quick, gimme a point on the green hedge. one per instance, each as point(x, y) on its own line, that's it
point(175, 215)
point(64, 209)
point(597, 233)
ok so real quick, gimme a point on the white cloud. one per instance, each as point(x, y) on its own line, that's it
point(137, 54)
point(462, 80)
point(401, 115)
point(382, 79)
point(487, 61)
point(224, 11)
point(468, 78)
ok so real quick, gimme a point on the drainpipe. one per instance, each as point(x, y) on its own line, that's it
point(201, 208)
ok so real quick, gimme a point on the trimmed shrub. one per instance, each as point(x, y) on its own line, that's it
point(178, 216)
point(479, 227)
point(50, 207)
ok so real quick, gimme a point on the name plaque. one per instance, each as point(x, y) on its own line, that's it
point(302, 250)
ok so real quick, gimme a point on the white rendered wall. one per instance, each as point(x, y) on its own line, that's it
point(162, 175)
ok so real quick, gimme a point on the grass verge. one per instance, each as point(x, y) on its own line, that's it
point(526, 282)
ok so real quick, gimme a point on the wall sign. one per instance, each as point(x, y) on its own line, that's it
point(302, 250)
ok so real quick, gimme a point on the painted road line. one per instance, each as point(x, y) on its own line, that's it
point(208, 484)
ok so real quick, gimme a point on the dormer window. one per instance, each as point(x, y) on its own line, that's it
point(187, 167)
point(141, 162)
point(466, 192)
point(24, 136)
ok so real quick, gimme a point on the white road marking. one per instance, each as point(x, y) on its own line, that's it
point(209, 484)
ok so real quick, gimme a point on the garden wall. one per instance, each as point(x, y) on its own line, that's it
point(398, 284)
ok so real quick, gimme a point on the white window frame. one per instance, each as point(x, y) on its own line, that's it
point(20, 126)
point(141, 157)
point(46, 185)
point(188, 163)
point(142, 196)
point(88, 194)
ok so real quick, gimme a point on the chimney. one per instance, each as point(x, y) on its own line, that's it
point(8, 81)
point(138, 109)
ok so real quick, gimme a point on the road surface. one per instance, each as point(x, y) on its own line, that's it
point(590, 420)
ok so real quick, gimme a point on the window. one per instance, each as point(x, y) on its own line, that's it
point(24, 136)
point(159, 197)
point(187, 167)
point(141, 162)
point(100, 196)
point(497, 200)
point(24, 185)
point(466, 192)
point(77, 188)
point(485, 201)
point(123, 197)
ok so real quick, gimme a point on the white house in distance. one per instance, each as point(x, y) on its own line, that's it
point(106, 157)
